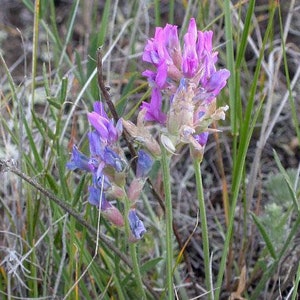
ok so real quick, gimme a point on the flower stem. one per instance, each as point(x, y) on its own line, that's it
point(133, 254)
point(136, 269)
point(207, 269)
point(169, 219)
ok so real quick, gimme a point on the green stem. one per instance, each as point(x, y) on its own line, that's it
point(136, 269)
point(133, 254)
point(205, 240)
point(169, 219)
point(35, 48)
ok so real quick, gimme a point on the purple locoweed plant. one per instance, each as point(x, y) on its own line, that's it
point(108, 170)
point(184, 83)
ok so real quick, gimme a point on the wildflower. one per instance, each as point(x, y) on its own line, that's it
point(103, 142)
point(144, 164)
point(108, 132)
point(78, 161)
point(202, 138)
point(103, 163)
point(188, 78)
point(136, 225)
point(153, 109)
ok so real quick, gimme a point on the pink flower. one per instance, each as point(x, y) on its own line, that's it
point(185, 79)
point(154, 108)
point(108, 132)
point(196, 62)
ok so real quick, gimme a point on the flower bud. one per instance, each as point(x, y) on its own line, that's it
point(142, 135)
point(97, 198)
point(168, 144)
point(115, 192)
point(114, 216)
point(135, 189)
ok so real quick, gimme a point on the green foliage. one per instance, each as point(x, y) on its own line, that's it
point(279, 190)
point(275, 222)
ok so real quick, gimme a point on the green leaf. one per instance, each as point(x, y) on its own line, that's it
point(63, 90)
point(288, 181)
point(52, 184)
point(46, 129)
point(150, 265)
point(37, 156)
point(53, 102)
point(265, 235)
point(78, 191)
point(296, 284)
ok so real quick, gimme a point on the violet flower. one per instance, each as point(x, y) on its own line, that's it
point(187, 78)
point(143, 167)
point(102, 141)
point(78, 161)
point(108, 132)
point(94, 197)
point(103, 155)
point(136, 225)
point(154, 108)
point(144, 164)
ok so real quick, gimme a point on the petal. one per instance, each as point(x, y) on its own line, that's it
point(99, 123)
point(101, 182)
point(162, 74)
point(173, 45)
point(154, 112)
point(190, 61)
point(161, 41)
point(144, 164)
point(99, 109)
point(96, 144)
point(192, 29)
point(99, 172)
point(94, 198)
point(113, 159)
point(150, 75)
point(78, 161)
point(136, 225)
point(119, 128)
point(150, 54)
point(217, 81)
point(202, 138)
point(112, 132)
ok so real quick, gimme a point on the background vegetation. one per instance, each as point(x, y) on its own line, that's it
point(48, 232)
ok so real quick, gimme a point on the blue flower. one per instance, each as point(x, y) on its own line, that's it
point(136, 225)
point(78, 161)
point(94, 198)
point(108, 132)
point(144, 164)
point(111, 158)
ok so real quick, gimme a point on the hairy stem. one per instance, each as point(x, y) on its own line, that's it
point(169, 220)
point(205, 240)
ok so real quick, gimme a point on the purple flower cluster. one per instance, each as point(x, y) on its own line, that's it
point(185, 84)
point(108, 169)
point(187, 77)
